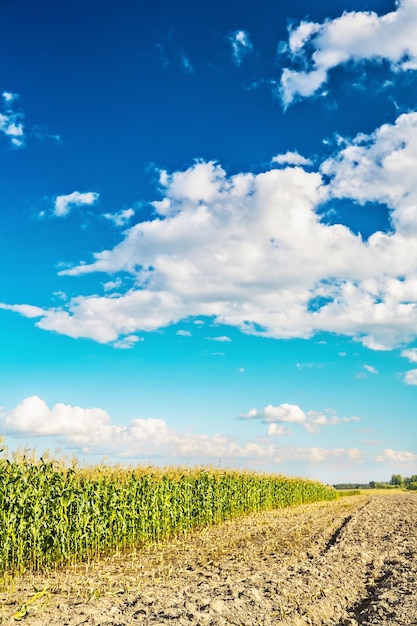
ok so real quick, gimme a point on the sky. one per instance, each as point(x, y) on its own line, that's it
point(209, 234)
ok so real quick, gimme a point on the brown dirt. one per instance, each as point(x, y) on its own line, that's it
point(345, 563)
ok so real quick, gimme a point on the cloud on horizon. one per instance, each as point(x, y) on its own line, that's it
point(396, 456)
point(91, 431)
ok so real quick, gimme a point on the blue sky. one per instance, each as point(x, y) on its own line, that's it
point(209, 233)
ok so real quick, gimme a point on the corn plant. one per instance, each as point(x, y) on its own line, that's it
point(53, 514)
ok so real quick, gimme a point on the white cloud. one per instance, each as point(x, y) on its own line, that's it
point(27, 310)
point(410, 354)
point(317, 420)
point(11, 124)
point(106, 318)
point(380, 168)
point(251, 251)
point(111, 285)
point(9, 97)
point(290, 158)
point(323, 455)
point(221, 339)
point(241, 45)
point(273, 414)
point(396, 456)
point(127, 342)
point(34, 417)
point(141, 437)
point(92, 430)
point(277, 430)
point(64, 204)
point(184, 333)
point(121, 218)
point(292, 413)
point(371, 369)
point(410, 377)
point(355, 36)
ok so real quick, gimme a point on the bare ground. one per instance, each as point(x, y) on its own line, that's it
point(345, 563)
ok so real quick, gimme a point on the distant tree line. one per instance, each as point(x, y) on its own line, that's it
point(397, 481)
point(403, 481)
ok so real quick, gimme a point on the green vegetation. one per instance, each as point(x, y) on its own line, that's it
point(397, 481)
point(53, 514)
point(403, 481)
point(348, 492)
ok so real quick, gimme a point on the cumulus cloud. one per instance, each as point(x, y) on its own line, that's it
point(355, 36)
point(11, 124)
point(64, 204)
point(292, 413)
point(380, 168)
point(396, 456)
point(241, 45)
point(34, 417)
point(92, 429)
point(251, 251)
point(371, 369)
point(106, 319)
point(290, 158)
point(282, 413)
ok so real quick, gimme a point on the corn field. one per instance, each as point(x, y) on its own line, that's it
point(52, 514)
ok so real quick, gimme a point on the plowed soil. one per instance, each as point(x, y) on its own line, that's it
point(343, 563)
